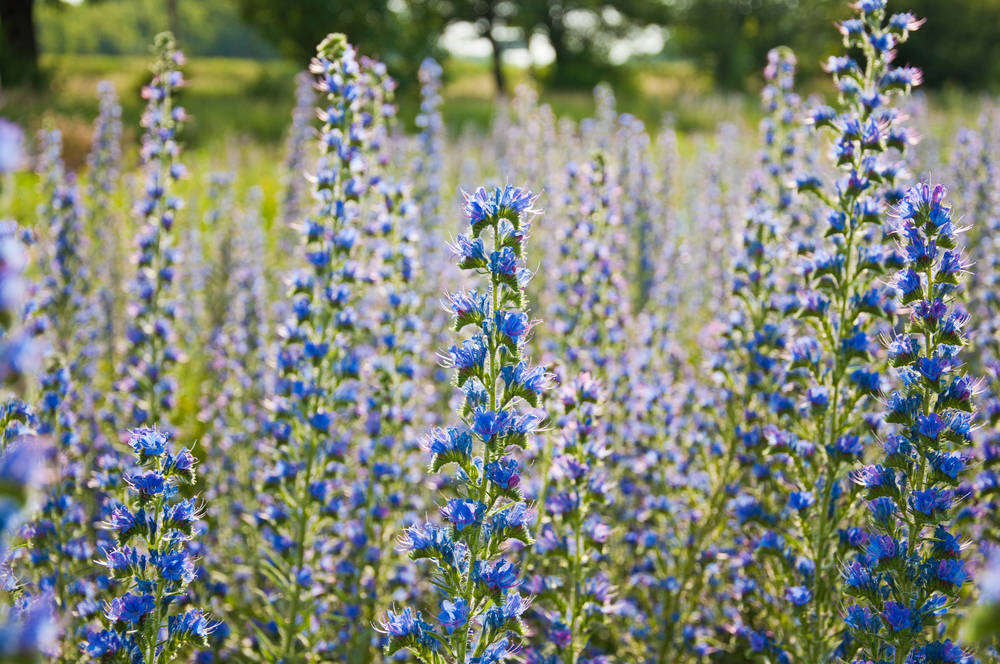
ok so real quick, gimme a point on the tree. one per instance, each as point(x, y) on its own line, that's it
point(960, 44)
point(18, 43)
point(731, 38)
point(487, 16)
point(397, 32)
point(581, 50)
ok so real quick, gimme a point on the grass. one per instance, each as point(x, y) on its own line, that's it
point(231, 97)
point(250, 101)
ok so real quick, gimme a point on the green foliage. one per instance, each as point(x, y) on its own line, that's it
point(206, 27)
point(582, 53)
point(728, 38)
point(400, 34)
point(961, 45)
point(731, 38)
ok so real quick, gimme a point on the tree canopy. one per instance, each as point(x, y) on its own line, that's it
point(727, 38)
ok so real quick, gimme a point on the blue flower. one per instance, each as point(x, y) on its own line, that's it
point(191, 624)
point(450, 441)
point(504, 473)
point(930, 501)
point(454, 614)
point(103, 644)
point(883, 510)
point(469, 356)
point(533, 379)
point(930, 425)
point(148, 441)
point(504, 263)
point(130, 608)
point(798, 595)
point(896, 616)
point(176, 566)
point(800, 500)
point(489, 207)
point(512, 324)
point(489, 424)
point(861, 619)
point(952, 571)
point(403, 624)
point(147, 483)
point(496, 575)
point(463, 512)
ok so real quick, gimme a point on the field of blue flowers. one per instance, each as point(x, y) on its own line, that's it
point(627, 401)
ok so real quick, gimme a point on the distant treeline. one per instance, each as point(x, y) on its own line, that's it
point(728, 38)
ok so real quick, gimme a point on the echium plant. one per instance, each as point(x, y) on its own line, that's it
point(379, 492)
point(62, 213)
point(911, 571)
point(590, 307)
point(479, 620)
point(146, 622)
point(843, 305)
point(59, 539)
point(300, 135)
point(150, 335)
point(749, 366)
point(104, 164)
point(428, 164)
point(317, 365)
point(573, 593)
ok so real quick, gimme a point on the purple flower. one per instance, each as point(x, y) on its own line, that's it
point(129, 608)
point(896, 616)
point(463, 512)
point(497, 575)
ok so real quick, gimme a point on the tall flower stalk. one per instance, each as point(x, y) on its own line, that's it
point(300, 136)
point(911, 570)
point(573, 592)
point(104, 169)
point(153, 561)
point(317, 366)
point(480, 607)
point(750, 369)
point(428, 163)
point(150, 335)
point(844, 306)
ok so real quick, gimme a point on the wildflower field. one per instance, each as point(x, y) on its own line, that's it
point(556, 392)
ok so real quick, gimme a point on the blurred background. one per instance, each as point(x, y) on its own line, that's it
point(691, 58)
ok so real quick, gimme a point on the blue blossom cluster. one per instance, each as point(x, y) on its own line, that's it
point(573, 595)
point(909, 569)
point(428, 161)
point(300, 135)
point(104, 165)
point(147, 621)
point(152, 348)
point(766, 445)
point(317, 368)
point(479, 598)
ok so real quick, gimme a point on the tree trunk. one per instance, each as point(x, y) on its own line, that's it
point(556, 30)
point(18, 44)
point(173, 19)
point(498, 77)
